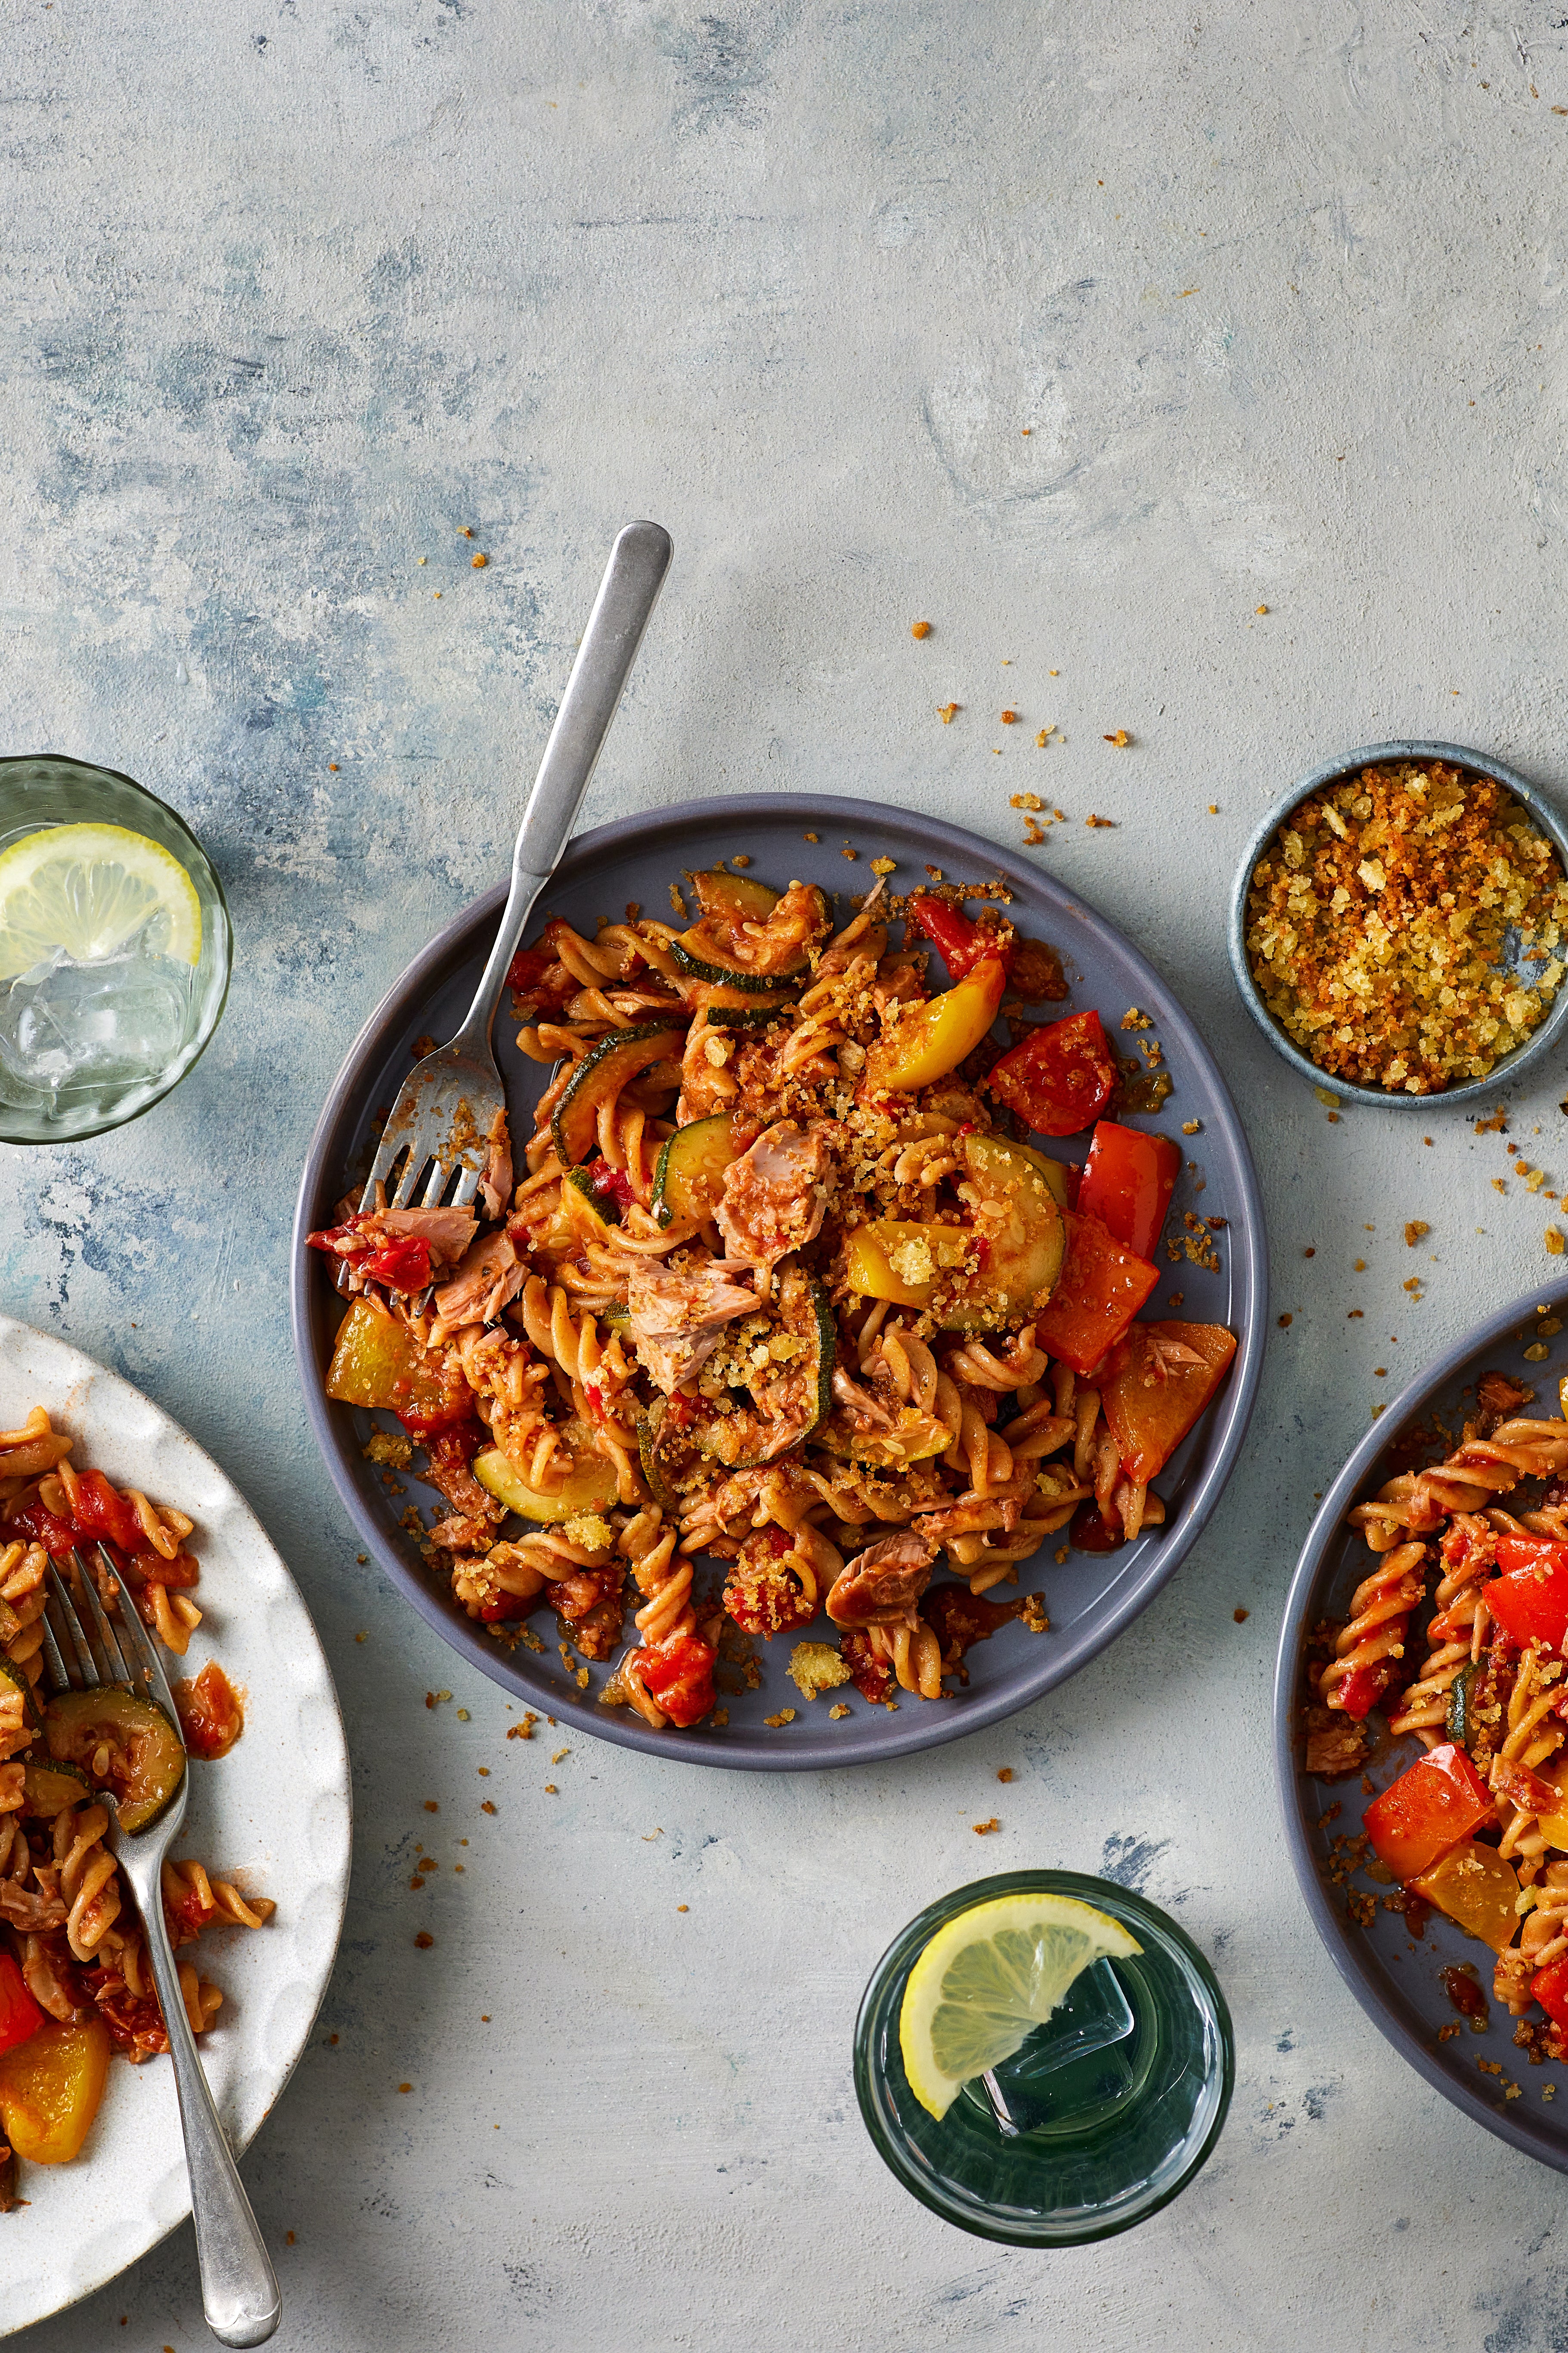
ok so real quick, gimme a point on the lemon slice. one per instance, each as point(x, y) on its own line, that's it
point(988, 1978)
point(89, 889)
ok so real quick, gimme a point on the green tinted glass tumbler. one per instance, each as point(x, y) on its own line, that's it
point(1108, 2110)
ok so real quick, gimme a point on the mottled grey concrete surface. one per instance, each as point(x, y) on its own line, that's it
point(1082, 332)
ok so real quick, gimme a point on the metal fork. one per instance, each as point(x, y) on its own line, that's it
point(449, 1101)
point(240, 2287)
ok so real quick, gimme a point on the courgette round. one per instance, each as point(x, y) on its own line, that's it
point(148, 1756)
point(602, 1209)
point(590, 1485)
point(733, 898)
point(48, 1789)
point(743, 1016)
point(689, 1173)
point(653, 1443)
point(12, 1673)
point(613, 1064)
point(727, 975)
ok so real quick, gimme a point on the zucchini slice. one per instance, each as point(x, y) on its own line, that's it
point(615, 1062)
point(1051, 1170)
point(723, 897)
point(48, 1789)
point(598, 1210)
point(731, 946)
point(745, 1017)
point(589, 1486)
point(660, 1450)
point(921, 1438)
point(1027, 1232)
point(146, 1756)
point(690, 1174)
point(798, 1397)
point(12, 1675)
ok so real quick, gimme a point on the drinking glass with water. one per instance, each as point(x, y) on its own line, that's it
point(1042, 2058)
point(114, 949)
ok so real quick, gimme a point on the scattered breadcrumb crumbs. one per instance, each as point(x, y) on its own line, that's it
point(837, 1710)
point(982, 1830)
point(1537, 1353)
point(811, 837)
point(1241, 1616)
point(402, 2087)
point(1415, 1229)
point(1120, 739)
point(1043, 738)
point(1263, 609)
point(919, 628)
point(1009, 718)
point(463, 1716)
point(487, 1805)
point(1034, 833)
point(1026, 801)
point(559, 1755)
point(1498, 1124)
point(1285, 1323)
point(785, 1715)
point(1360, 1266)
point(1498, 1185)
point(550, 1790)
point(1214, 808)
point(818, 1667)
point(465, 531)
point(1553, 1241)
point(523, 1731)
point(848, 852)
point(677, 901)
point(480, 561)
point(1061, 1554)
point(1191, 1127)
point(288, 2238)
point(948, 712)
point(1135, 1020)
point(431, 1806)
point(683, 1908)
point(1004, 1772)
point(883, 866)
point(1092, 819)
point(424, 1940)
point(333, 767)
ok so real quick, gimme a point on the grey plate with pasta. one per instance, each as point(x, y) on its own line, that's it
point(1394, 1976)
point(273, 1816)
point(1090, 1598)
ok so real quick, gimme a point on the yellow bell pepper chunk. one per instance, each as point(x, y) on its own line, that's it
point(378, 1363)
point(50, 2086)
point(933, 1038)
point(901, 1259)
point(1476, 1888)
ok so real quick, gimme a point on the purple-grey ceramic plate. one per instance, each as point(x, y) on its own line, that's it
point(1393, 1975)
point(1090, 1598)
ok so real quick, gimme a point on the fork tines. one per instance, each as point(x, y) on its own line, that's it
point(94, 1650)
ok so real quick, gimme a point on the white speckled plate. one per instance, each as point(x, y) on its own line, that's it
point(274, 1814)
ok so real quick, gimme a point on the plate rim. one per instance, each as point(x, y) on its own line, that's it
point(93, 1369)
point(1525, 2131)
point(662, 829)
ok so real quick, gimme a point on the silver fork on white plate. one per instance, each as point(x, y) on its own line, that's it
point(83, 1650)
point(449, 1102)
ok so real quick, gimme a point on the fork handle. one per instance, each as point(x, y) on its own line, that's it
point(240, 2287)
point(627, 594)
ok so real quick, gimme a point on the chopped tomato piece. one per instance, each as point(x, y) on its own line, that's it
point(1474, 1886)
point(527, 971)
point(1417, 1819)
point(1128, 1182)
point(1092, 1531)
point(1165, 1374)
point(1550, 1988)
point(959, 944)
point(211, 1715)
point(39, 1526)
point(1099, 1292)
point(679, 1674)
point(1530, 1599)
point(1059, 1078)
point(148, 1567)
point(615, 1182)
point(1363, 1687)
point(871, 1676)
point(20, 2013)
point(99, 1510)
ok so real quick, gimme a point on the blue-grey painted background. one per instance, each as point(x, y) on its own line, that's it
point(1083, 333)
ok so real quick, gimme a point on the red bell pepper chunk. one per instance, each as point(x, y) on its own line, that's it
point(959, 944)
point(1363, 1687)
point(1427, 1811)
point(99, 1510)
point(679, 1675)
point(20, 2016)
point(403, 1264)
point(1059, 1079)
point(1128, 1182)
point(1550, 1988)
point(1162, 1378)
point(1099, 1292)
point(39, 1526)
point(1530, 1599)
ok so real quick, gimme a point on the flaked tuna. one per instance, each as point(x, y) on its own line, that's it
point(775, 1195)
point(678, 1314)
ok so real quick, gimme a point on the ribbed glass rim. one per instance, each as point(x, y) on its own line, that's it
point(887, 1981)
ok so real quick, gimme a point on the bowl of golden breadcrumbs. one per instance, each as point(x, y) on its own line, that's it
point(1399, 925)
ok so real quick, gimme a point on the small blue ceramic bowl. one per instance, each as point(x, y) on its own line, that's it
point(1505, 1072)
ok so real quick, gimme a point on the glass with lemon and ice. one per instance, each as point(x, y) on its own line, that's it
point(114, 949)
point(1042, 2058)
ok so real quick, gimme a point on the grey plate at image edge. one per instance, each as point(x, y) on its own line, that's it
point(667, 841)
point(1543, 2136)
point(1508, 1071)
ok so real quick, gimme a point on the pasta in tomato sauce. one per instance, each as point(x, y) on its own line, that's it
point(782, 1286)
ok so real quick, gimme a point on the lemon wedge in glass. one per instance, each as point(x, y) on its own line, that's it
point(988, 1978)
point(88, 890)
